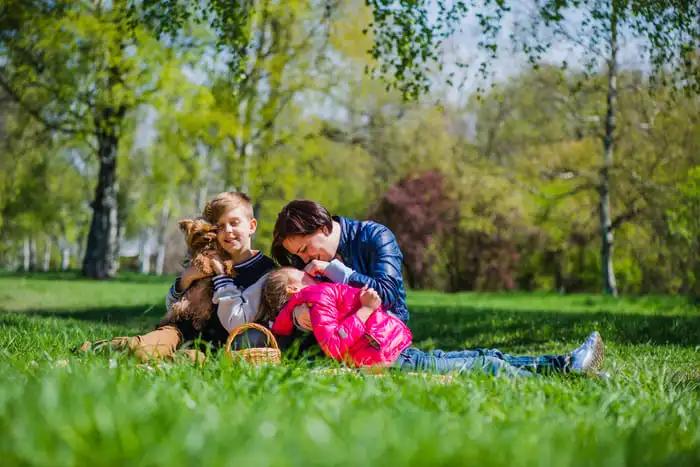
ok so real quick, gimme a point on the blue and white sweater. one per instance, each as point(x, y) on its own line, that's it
point(236, 299)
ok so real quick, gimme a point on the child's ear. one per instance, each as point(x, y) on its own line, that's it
point(292, 289)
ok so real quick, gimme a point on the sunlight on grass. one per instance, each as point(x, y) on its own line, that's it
point(60, 409)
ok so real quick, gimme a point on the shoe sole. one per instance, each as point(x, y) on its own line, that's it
point(596, 361)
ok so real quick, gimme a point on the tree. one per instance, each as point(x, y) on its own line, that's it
point(541, 127)
point(79, 69)
point(417, 209)
point(672, 37)
point(684, 223)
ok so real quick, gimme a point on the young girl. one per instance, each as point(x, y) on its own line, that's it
point(235, 299)
point(352, 327)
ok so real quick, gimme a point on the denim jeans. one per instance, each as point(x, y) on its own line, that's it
point(489, 361)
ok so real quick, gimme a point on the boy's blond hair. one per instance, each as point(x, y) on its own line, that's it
point(224, 202)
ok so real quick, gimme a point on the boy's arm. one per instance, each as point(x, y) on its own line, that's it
point(181, 284)
point(236, 306)
point(173, 295)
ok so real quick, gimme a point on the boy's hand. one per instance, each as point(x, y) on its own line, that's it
point(218, 267)
point(190, 275)
point(370, 298)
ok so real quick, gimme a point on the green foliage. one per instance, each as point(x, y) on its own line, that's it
point(286, 109)
point(541, 131)
point(407, 35)
point(684, 223)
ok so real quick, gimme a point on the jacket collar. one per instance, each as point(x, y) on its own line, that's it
point(344, 236)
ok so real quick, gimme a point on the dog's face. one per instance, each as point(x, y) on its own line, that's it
point(199, 234)
point(204, 246)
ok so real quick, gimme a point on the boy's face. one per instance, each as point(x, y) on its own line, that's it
point(297, 280)
point(234, 229)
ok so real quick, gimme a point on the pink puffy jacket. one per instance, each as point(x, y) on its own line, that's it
point(342, 335)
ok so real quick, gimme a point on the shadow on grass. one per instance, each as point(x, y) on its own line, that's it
point(75, 275)
point(141, 316)
point(456, 328)
point(485, 327)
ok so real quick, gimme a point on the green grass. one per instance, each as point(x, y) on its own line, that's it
point(109, 410)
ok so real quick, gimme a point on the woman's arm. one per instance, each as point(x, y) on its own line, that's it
point(385, 276)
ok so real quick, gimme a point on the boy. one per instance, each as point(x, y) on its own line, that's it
point(235, 301)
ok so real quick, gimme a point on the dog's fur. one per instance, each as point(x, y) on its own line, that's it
point(196, 305)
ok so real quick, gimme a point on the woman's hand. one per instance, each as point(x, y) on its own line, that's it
point(370, 298)
point(316, 267)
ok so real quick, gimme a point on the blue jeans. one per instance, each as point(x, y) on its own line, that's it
point(489, 361)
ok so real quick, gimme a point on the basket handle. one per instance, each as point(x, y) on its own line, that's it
point(239, 329)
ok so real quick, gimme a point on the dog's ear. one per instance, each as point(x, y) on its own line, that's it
point(186, 227)
point(199, 234)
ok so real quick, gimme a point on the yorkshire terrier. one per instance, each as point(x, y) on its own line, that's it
point(196, 305)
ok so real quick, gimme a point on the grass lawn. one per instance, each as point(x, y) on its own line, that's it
point(109, 410)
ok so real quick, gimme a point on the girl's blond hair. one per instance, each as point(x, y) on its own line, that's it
point(274, 294)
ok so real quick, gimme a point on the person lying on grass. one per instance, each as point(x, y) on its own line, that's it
point(235, 299)
point(352, 327)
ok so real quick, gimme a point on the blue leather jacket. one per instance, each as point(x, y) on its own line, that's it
point(370, 256)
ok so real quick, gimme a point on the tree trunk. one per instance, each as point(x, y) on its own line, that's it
point(65, 254)
point(162, 230)
point(456, 257)
point(47, 255)
point(13, 259)
point(33, 266)
point(101, 261)
point(410, 277)
point(80, 246)
point(145, 251)
point(205, 182)
point(26, 255)
point(606, 231)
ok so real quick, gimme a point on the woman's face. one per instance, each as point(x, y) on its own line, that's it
point(317, 245)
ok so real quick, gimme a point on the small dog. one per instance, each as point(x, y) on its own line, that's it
point(196, 305)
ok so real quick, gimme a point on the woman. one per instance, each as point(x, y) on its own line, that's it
point(357, 253)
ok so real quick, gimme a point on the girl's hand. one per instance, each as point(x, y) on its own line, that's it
point(302, 317)
point(370, 298)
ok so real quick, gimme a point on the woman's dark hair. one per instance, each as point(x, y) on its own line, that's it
point(299, 217)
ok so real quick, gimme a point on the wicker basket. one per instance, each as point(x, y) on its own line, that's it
point(255, 355)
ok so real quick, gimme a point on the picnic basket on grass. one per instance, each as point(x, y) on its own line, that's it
point(255, 355)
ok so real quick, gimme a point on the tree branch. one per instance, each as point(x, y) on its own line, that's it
point(36, 113)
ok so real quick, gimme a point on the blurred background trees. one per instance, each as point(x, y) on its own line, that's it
point(119, 118)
